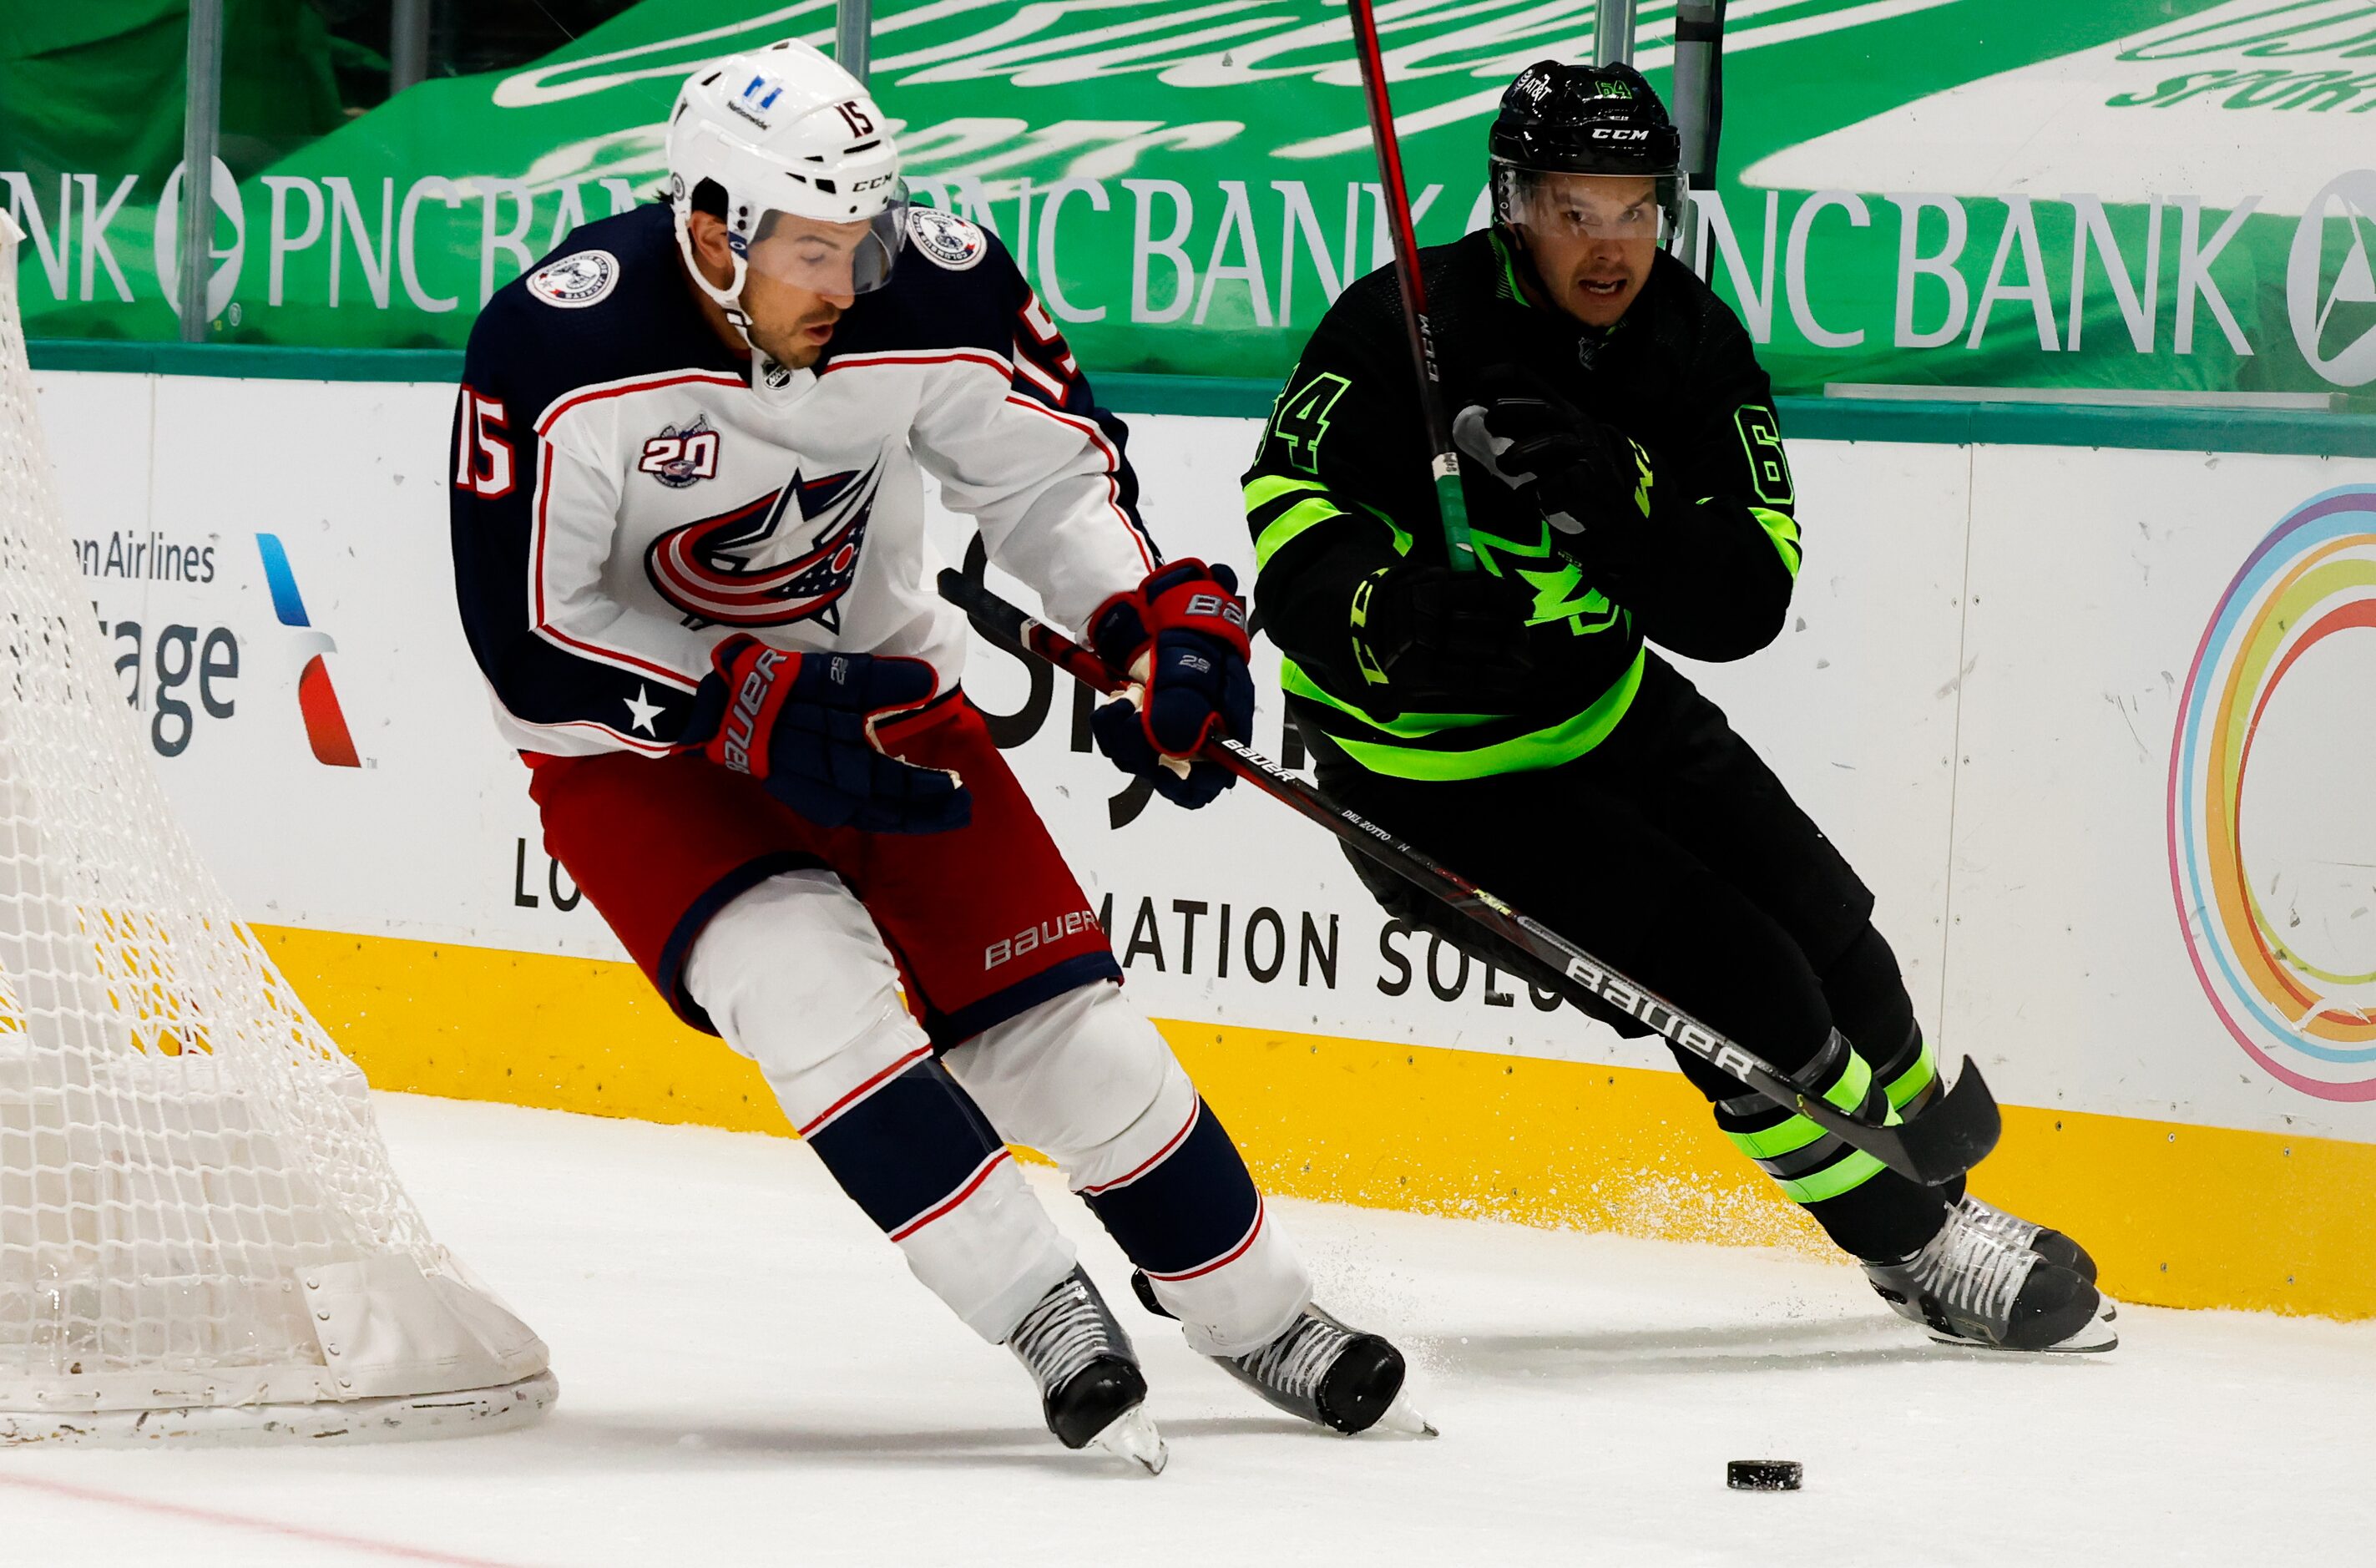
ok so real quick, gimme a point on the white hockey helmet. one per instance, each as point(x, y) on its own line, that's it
point(785, 131)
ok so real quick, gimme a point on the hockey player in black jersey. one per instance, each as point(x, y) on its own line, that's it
point(688, 530)
point(1626, 485)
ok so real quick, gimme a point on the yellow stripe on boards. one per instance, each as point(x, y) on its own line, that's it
point(2178, 1215)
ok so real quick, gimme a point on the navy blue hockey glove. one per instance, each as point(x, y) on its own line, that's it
point(1432, 640)
point(1588, 481)
point(802, 724)
point(1181, 635)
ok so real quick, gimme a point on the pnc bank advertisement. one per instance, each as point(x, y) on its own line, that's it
point(2167, 195)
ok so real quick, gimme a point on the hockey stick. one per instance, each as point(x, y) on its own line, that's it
point(1948, 1138)
point(1445, 462)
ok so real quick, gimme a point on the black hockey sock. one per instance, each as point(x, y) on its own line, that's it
point(1867, 997)
point(1868, 1210)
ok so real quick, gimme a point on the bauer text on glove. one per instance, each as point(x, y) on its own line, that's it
point(1181, 635)
point(802, 725)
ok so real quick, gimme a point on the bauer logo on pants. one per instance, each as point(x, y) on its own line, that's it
point(2272, 882)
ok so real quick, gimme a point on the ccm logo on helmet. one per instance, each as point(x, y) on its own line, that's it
point(1608, 133)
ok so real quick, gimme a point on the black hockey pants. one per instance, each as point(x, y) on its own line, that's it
point(1673, 854)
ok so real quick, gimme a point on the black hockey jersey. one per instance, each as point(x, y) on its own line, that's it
point(1341, 487)
point(627, 490)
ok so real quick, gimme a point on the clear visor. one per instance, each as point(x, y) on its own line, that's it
point(827, 258)
point(1587, 206)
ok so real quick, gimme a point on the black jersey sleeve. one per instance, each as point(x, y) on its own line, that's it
point(1712, 575)
point(1340, 488)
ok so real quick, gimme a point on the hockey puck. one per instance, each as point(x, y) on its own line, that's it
point(1762, 1475)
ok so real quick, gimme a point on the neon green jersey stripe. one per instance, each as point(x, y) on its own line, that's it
point(1409, 726)
point(1270, 487)
point(1783, 529)
point(1547, 747)
point(1288, 523)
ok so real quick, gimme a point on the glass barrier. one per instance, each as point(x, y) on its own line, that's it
point(2164, 202)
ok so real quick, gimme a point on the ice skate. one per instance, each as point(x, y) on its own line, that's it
point(1973, 1285)
point(1090, 1388)
point(2052, 1245)
point(1331, 1375)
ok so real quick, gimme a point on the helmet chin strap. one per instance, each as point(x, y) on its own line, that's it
point(728, 299)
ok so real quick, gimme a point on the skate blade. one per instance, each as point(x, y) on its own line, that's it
point(1405, 1420)
point(1132, 1436)
point(2093, 1339)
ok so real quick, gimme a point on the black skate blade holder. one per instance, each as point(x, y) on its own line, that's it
point(1945, 1140)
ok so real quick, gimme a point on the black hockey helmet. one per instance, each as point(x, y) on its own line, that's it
point(1558, 118)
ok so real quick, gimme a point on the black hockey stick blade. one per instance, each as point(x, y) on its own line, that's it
point(1943, 1141)
point(1953, 1134)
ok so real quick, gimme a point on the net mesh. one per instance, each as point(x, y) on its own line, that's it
point(178, 1136)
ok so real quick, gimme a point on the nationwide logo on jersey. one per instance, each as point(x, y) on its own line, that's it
point(785, 557)
point(318, 700)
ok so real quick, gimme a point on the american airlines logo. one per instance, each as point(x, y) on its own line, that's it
point(318, 700)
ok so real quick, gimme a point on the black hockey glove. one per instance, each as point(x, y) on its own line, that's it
point(1587, 480)
point(1432, 640)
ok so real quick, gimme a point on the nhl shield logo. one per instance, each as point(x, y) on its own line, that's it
point(787, 556)
point(576, 282)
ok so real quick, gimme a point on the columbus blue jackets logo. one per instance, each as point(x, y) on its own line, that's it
point(949, 240)
point(787, 556)
point(576, 282)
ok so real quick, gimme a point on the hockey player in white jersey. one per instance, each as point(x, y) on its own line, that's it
point(689, 549)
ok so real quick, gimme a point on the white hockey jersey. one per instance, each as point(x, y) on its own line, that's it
point(628, 491)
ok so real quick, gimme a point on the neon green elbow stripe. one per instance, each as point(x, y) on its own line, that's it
point(1783, 529)
point(1833, 1180)
point(1915, 1080)
point(1270, 487)
point(1291, 522)
point(1547, 747)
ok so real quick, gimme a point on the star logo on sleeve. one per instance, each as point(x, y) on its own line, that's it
point(641, 711)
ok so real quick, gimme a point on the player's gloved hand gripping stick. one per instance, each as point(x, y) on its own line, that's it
point(804, 726)
point(1180, 636)
point(1952, 1134)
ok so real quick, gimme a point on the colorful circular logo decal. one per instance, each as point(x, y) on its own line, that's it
point(2271, 799)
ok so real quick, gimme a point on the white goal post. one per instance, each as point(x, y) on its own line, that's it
point(200, 1233)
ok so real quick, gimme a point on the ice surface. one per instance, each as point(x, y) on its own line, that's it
point(749, 1376)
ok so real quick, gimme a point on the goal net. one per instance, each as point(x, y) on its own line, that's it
point(200, 1232)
